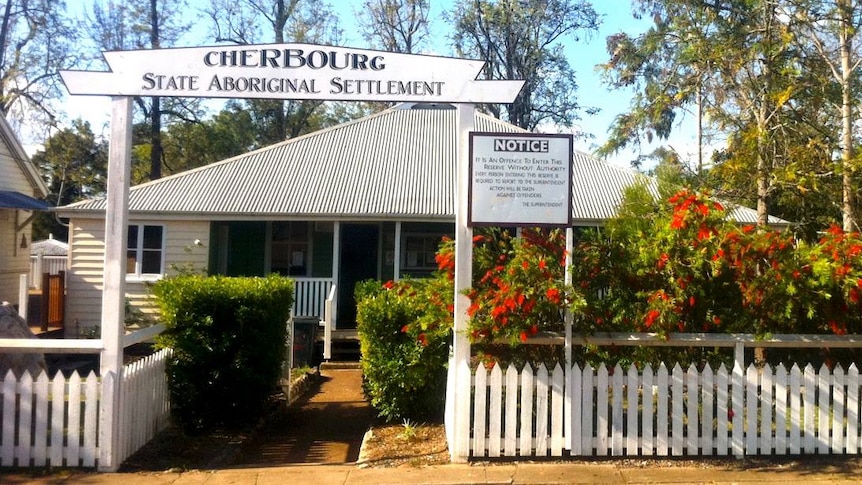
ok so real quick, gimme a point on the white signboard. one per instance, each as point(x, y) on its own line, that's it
point(520, 179)
point(291, 71)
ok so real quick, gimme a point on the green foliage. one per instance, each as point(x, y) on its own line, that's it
point(680, 266)
point(74, 165)
point(518, 285)
point(228, 336)
point(405, 333)
point(523, 40)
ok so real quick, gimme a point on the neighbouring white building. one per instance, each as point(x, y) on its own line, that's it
point(20, 188)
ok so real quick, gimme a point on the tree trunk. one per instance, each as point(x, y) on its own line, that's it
point(281, 15)
point(156, 111)
point(845, 38)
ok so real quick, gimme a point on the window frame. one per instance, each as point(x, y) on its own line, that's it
point(427, 238)
point(306, 247)
point(138, 274)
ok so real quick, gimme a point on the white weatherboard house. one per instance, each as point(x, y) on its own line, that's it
point(369, 198)
point(20, 186)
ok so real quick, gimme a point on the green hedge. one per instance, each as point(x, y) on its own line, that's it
point(404, 371)
point(228, 338)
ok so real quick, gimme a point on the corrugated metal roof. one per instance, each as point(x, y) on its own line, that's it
point(597, 191)
point(397, 164)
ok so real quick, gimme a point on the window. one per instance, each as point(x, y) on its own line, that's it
point(145, 250)
point(420, 251)
point(290, 248)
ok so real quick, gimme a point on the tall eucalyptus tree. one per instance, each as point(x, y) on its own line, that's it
point(523, 39)
point(733, 58)
point(243, 22)
point(828, 30)
point(37, 40)
point(146, 24)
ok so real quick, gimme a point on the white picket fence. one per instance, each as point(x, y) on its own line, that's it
point(54, 422)
point(619, 412)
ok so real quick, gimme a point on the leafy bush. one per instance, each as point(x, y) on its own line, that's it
point(228, 337)
point(404, 334)
point(679, 265)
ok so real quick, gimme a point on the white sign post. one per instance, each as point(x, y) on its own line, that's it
point(272, 71)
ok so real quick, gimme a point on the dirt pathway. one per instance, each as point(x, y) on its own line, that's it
point(326, 426)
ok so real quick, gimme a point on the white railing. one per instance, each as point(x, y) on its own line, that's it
point(309, 296)
point(53, 422)
point(656, 412)
point(626, 412)
point(145, 402)
point(45, 264)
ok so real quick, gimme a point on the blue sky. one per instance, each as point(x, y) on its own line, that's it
point(583, 55)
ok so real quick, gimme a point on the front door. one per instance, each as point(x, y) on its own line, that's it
point(358, 262)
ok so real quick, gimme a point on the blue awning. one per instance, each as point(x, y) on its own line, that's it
point(15, 200)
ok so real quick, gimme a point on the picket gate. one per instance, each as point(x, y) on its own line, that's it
point(54, 422)
point(664, 412)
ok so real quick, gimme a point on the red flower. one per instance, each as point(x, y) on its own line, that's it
point(553, 295)
point(837, 328)
point(835, 230)
point(534, 329)
point(650, 317)
point(523, 336)
point(662, 260)
point(389, 284)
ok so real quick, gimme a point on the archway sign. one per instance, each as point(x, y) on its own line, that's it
point(275, 71)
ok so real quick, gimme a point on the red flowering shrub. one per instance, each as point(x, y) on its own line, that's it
point(682, 266)
point(404, 331)
point(518, 285)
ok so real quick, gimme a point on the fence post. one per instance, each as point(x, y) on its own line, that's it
point(114, 280)
point(23, 296)
point(328, 317)
point(38, 270)
point(458, 386)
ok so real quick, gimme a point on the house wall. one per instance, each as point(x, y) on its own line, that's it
point(86, 253)
point(14, 261)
